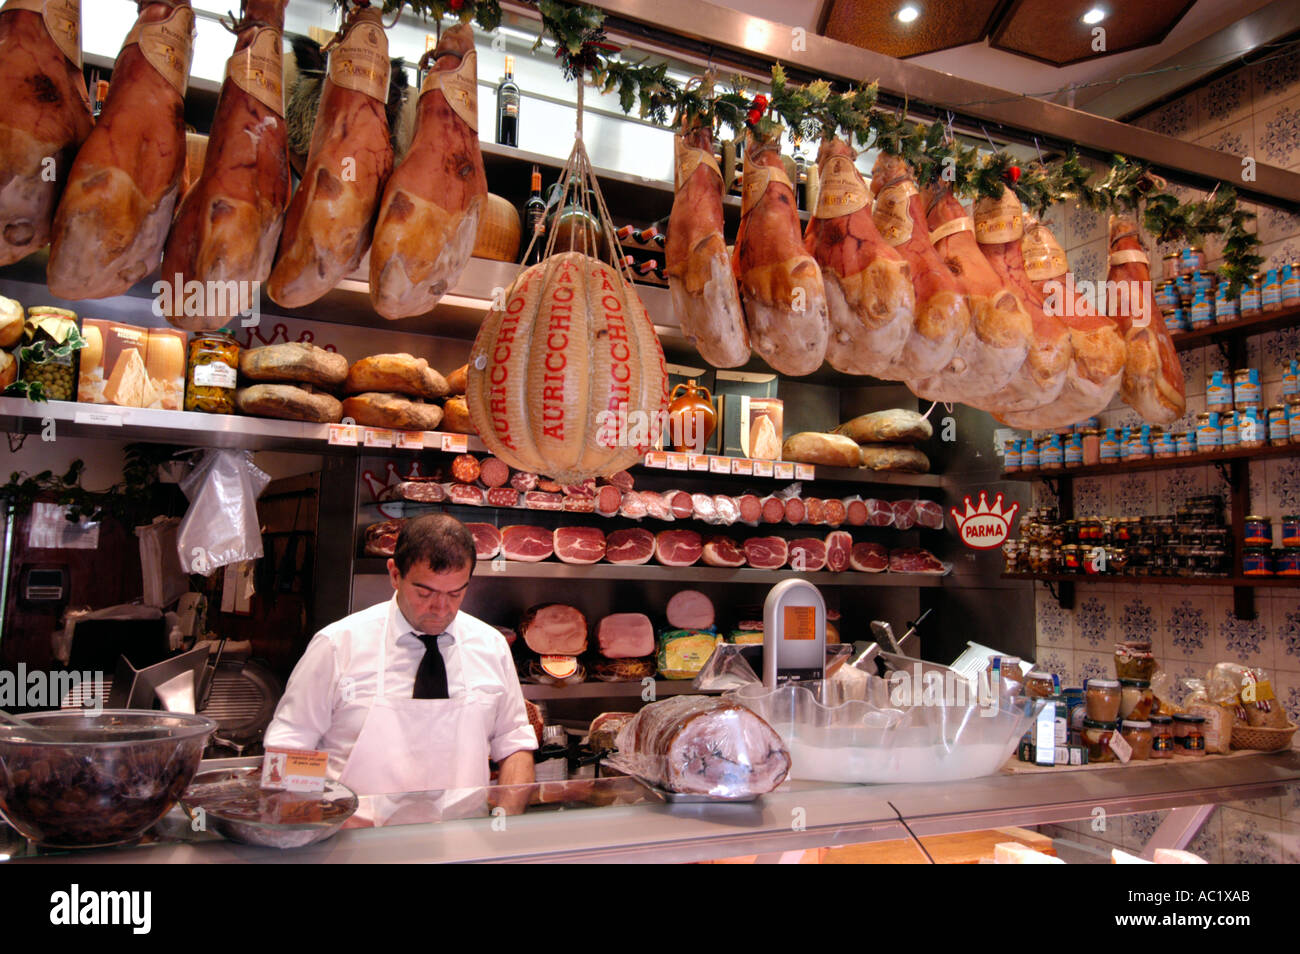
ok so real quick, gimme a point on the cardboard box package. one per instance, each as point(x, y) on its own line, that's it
point(131, 366)
point(762, 427)
point(734, 390)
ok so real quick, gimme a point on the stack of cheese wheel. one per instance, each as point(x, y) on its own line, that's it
point(394, 391)
point(292, 382)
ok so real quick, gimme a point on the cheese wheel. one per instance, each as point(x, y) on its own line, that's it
point(165, 354)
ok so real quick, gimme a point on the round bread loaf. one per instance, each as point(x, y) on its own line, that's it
point(375, 409)
point(288, 402)
point(8, 369)
point(395, 374)
point(456, 380)
point(11, 322)
point(455, 417)
point(294, 361)
point(833, 450)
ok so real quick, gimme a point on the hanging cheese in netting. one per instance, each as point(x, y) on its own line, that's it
point(567, 377)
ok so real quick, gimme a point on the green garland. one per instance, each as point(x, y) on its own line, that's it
point(129, 501)
point(486, 13)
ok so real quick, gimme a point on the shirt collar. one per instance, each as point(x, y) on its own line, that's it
point(400, 628)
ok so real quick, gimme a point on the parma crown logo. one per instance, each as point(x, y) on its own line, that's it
point(984, 527)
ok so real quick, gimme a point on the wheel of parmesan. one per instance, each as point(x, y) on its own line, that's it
point(566, 377)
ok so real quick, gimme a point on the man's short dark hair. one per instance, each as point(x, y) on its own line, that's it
point(437, 539)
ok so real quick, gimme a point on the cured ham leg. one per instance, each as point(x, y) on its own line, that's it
point(705, 296)
point(1097, 362)
point(428, 219)
point(117, 207)
point(1042, 376)
point(785, 299)
point(1153, 382)
point(869, 296)
point(330, 218)
point(46, 116)
point(229, 222)
point(990, 354)
point(942, 315)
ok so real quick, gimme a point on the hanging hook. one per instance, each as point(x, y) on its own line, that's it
point(988, 137)
point(1040, 152)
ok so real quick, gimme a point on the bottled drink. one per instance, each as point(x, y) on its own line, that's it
point(801, 176)
point(535, 220)
point(508, 107)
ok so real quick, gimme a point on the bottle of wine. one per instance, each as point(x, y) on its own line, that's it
point(508, 107)
point(535, 220)
point(801, 183)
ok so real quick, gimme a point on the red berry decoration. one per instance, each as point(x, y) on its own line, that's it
point(456, 4)
point(760, 102)
point(1013, 173)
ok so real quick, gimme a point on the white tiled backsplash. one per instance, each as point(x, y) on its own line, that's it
point(1254, 111)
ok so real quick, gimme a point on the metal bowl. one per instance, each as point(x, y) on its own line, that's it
point(232, 803)
point(93, 779)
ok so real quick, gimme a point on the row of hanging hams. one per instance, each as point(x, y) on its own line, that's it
point(901, 283)
point(108, 197)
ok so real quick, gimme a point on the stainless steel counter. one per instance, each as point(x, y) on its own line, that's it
point(798, 816)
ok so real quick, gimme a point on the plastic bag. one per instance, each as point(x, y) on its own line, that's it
point(221, 524)
point(160, 567)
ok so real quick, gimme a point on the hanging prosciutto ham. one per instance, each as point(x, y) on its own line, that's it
point(1153, 382)
point(429, 215)
point(229, 222)
point(785, 299)
point(330, 219)
point(869, 296)
point(696, 262)
point(942, 316)
point(990, 354)
point(46, 118)
point(117, 206)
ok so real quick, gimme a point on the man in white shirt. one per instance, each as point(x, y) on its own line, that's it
point(412, 695)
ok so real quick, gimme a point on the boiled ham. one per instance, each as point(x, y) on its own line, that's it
point(429, 215)
point(781, 284)
point(554, 629)
point(942, 316)
point(690, 609)
point(46, 117)
point(705, 296)
point(1153, 382)
point(328, 226)
point(228, 224)
point(869, 296)
point(119, 198)
point(625, 636)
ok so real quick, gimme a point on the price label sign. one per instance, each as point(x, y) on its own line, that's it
point(742, 465)
point(455, 443)
point(294, 770)
point(782, 470)
point(343, 435)
point(719, 465)
point(377, 437)
point(698, 462)
point(677, 462)
point(656, 459)
point(804, 471)
point(763, 468)
point(100, 416)
point(410, 440)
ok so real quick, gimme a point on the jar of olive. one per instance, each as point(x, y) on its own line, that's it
point(50, 328)
point(212, 373)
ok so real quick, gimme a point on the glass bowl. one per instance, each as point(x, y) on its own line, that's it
point(232, 803)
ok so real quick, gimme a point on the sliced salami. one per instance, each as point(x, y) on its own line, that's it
point(608, 499)
point(726, 509)
point(795, 511)
point(869, 558)
point(816, 511)
point(579, 504)
point(855, 511)
point(807, 554)
point(836, 513)
point(502, 497)
point(465, 468)
point(487, 540)
point(751, 509)
point(723, 551)
point(631, 546)
point(494, 472)
point(839, 547)
point(465, 494)
point(680, 503)
point(523, 481)
point(417, 491)
point(773, 509)
point(542, 500)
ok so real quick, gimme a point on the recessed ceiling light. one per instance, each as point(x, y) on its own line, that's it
point(908, 14)
point(1095, 15)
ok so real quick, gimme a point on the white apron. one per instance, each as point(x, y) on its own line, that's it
point(420, 745)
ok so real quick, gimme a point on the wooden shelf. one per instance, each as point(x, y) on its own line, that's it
point(654, 573)
point(1233, 581)
point(1242, 327)
point(1167, 463)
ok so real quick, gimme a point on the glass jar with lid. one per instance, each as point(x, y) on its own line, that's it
point(1162, 737)
point(213, 373)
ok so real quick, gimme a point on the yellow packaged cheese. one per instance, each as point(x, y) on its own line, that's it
point(683, 652)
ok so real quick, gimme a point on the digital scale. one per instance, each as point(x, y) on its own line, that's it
point(794, 634)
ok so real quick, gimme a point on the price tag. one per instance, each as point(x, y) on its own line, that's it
point(699, 462)
point(782, 470)
point(656, 459)
point(294, 770)
point(742, 465)
point(719, 465)
point(1120, 747)
point(410, 440)
point(455, 443)
point(763, 468)
point(344, 435)
point(100, 415)
point(377, 437)
point(677, 462)
point(804, 471)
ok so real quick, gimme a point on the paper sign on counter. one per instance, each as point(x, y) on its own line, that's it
point(1119, 745)
point(455, 443)
point(719, 465)
point(100, 415)
point(294, 770)
point(344, 435)
point(377, 437)
point(783, 470)
point(742, 465)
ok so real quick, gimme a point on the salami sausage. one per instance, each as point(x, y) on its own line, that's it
point(795, 511)
point(494, 472)
point(751, 509)
point(773, 509)
point(465, 468)
point(836, 513)
point(608, 499)
point(502, 497)
point(523, 481)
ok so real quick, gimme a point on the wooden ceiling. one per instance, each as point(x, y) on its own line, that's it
point(1050, 31)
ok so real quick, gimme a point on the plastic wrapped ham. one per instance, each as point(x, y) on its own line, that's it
point(881, 513)
point(904, 514)
point(751, 509)
point(700, 745)
point(929, 514)
point(726, 510)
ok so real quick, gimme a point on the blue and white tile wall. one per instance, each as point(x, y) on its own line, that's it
point(1254, 111)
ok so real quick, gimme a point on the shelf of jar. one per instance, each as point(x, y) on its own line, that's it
point(1126, 580)
point(1161, 463)
point(1242, 327)
point(596, 689)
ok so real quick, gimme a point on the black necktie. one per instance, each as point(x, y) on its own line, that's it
point(431, 677)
